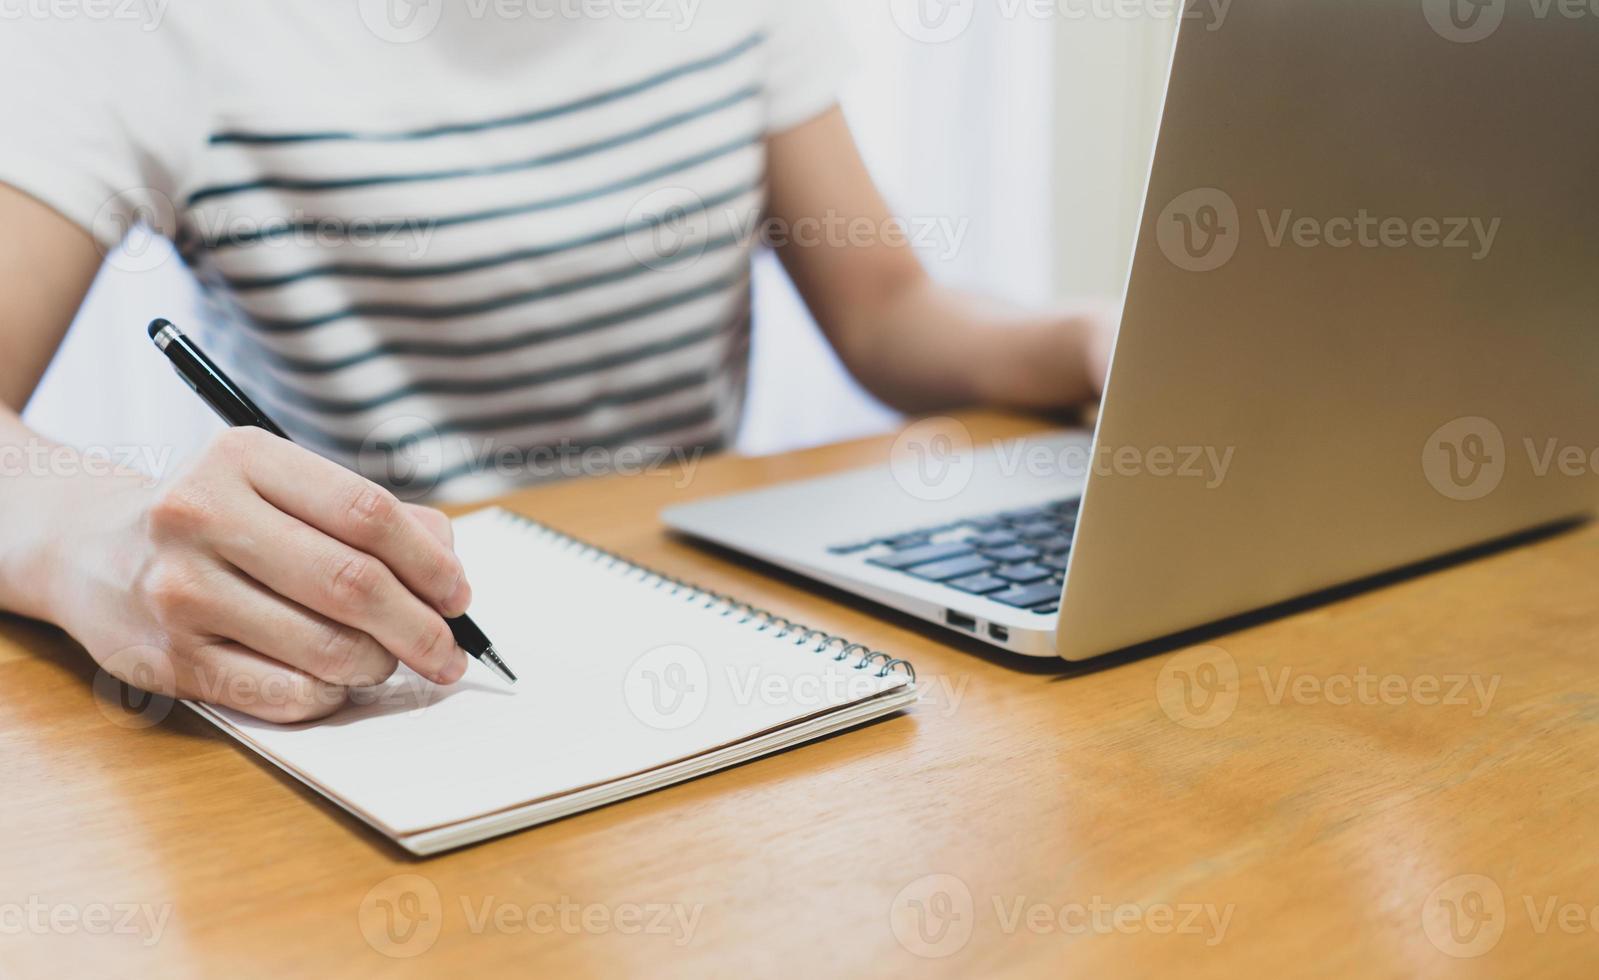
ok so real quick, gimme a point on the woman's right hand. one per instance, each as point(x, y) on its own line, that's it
point(265, 579)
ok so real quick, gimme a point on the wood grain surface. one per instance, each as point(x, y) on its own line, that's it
point(1399, 782)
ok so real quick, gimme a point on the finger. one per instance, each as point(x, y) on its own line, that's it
point(435, 522)
point(363, 515)
point(231, 676)
point(335, 580)
point(242, 610)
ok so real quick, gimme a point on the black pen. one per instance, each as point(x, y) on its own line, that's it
point(228, 400)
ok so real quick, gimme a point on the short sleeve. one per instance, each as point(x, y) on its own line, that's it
point(809, 61)
point(97, 121)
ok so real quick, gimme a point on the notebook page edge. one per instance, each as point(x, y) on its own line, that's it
point(479, 829)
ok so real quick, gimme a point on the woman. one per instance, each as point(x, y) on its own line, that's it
point(439, 230)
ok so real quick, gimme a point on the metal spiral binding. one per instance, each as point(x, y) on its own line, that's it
point(820, 641)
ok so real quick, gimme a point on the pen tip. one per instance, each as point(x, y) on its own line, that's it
point(493, 662)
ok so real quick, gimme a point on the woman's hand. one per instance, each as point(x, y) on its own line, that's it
point(265, 579)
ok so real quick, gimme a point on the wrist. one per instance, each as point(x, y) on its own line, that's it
point(1038, 364)
point(59, 539)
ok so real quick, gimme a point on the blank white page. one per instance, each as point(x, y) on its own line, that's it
point(618, 675)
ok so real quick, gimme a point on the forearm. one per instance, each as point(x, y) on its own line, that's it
point(924, 347)
point(911, 342)
point(48, 493)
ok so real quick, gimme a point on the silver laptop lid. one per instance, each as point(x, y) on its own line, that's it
point(1362, 325)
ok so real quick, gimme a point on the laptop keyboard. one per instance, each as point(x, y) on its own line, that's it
point(1017, 557)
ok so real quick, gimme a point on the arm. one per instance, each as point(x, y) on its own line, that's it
point(265, 578)
point(911, 342)
point(46, 267)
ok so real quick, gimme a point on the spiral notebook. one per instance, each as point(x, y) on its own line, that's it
point(629, 681)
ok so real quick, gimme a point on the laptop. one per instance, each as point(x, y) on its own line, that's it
point(1361, 330)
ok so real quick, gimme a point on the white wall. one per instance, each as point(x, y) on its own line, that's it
point(1110, 80)
point(958, 136)
point(980, 130)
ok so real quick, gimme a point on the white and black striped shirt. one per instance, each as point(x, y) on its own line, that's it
point(510, 246)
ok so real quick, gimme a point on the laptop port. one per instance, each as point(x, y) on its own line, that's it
point(960, 620)
point(998, 632)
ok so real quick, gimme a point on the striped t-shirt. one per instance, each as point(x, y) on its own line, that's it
point(457, 245)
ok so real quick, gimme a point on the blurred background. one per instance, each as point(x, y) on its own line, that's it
point(1014, 146)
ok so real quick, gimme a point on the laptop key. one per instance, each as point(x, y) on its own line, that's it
point(1049, 608)
point(901, 560)
point(993, 539)
point(1023, 515)
point(949, 568)
point(850, 549)
point(1013, 554)
point(1028, 596)
point(979, 584)
point(1037, 529)
point(1055, 561)
point(1059, 542)
point(913, 540)
point(1023, 573)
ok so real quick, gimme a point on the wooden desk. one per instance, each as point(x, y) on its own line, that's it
point(1317, 830)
